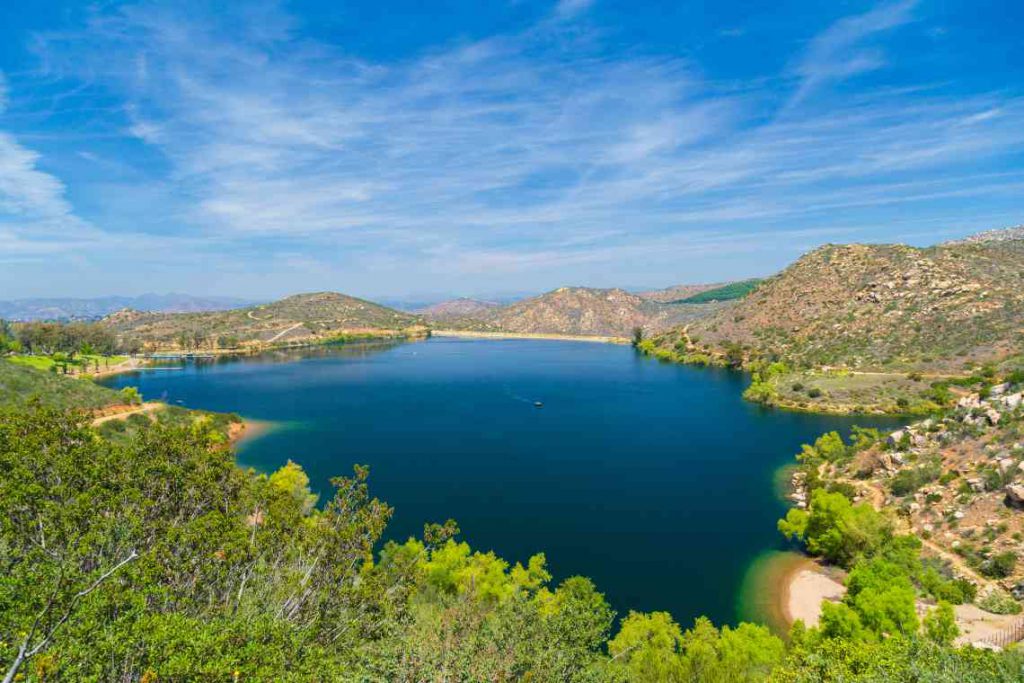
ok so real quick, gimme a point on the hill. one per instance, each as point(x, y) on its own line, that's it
point(91, 309)
point(581, 311)
point(301, 318)
point(457, 308)
point(846, 319)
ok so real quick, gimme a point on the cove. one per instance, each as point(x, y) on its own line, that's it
point(655, 480)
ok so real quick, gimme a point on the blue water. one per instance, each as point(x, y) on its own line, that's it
point(655, 480)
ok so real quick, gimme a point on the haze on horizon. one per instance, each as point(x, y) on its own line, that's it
point(479, 148)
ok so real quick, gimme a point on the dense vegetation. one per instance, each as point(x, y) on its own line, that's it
point(729, 292)
point(154, 557)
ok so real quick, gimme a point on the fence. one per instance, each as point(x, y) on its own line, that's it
point(1011, 634)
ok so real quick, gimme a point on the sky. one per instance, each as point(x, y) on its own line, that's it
point(417, 150)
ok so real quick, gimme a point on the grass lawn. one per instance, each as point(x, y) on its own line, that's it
point(85, 362)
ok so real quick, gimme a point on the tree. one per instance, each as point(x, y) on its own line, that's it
point(733, 354)
point(648, 647)
point(638, 335)
point(940, 624)
point(882, 594)
point(131, 395)
point(836, 529)
point(293, 480)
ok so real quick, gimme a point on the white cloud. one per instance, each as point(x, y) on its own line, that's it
point(516, 152)
point(567, 9)
point(839, 52)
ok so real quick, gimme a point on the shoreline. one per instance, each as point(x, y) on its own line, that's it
point(247, 429)
point(806, 586)
point(783, 586)
point(528, 335)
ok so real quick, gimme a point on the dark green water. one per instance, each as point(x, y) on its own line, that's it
point(655, 480)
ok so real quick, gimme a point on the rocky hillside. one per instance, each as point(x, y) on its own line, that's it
point(882, 307)
point(955, 480)
point(299, 318)
point(457, 308)
point(582, 311)
point(1002, 235)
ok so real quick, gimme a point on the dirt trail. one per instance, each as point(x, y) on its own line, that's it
point(283, 333)
point(144, 408)
point(877, 497)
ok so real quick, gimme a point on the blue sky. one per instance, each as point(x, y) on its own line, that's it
point(409, 149)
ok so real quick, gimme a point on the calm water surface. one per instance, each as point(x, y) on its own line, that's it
point(655, 480)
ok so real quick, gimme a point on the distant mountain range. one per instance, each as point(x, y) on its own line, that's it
point(91, 309)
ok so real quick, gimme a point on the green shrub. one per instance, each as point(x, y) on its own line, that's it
point(998, 601)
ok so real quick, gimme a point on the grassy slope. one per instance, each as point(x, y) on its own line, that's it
point(729, 292)
point(19, 383)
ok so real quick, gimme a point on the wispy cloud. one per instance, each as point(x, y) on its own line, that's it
point(845, 49)
point(519, 152)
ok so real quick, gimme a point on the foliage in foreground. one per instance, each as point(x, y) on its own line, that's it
point(153, 557)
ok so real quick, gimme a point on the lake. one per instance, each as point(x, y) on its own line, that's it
point(655, 480)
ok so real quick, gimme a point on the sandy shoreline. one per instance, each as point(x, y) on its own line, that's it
point(247, 429)
point(803, 591)
point(527, 335)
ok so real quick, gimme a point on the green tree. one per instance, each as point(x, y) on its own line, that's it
point(291, 479)
point(648, 647)
point(940, 624)
point(836, 529)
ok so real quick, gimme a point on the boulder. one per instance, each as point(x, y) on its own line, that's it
point(896, 437)
point(993, 416)
point(970, 401)
point(999, 389)
point(1013, 401)
point(1015, 495)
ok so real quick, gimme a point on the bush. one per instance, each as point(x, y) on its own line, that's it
point(998, 601)
point(999, 566)
point(814, 392)
point(907, 481)
point(797, 387)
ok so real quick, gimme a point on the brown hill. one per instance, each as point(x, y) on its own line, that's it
point(583, 311)
point(458, 308)
point(883, 306)
point(879, 328)
point(299, 318)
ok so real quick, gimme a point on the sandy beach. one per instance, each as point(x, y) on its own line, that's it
point(247, 429)
point(804, 590)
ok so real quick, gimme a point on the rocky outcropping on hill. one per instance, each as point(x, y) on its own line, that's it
point(1000, 235)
